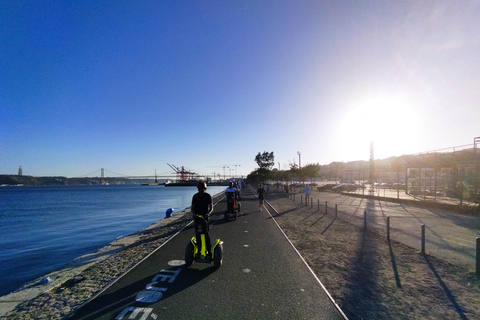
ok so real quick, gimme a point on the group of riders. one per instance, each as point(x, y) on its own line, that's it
point(202, 207)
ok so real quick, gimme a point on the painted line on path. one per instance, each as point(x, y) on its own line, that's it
point(305, 262)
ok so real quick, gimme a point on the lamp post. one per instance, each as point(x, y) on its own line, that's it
point(475, 142)
point(224, 172)
point(299, 160)
point(236, 169)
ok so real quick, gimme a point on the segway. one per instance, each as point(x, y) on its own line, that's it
point(198, 252)
point(233, 206)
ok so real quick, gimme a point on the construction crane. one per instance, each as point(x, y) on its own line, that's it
point(182, 174)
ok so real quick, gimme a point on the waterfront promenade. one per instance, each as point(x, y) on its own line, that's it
point(262, 277)
point(329, 246)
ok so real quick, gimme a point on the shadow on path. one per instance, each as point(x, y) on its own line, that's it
point(449, 294)
point(394, 265)
point(363, 283)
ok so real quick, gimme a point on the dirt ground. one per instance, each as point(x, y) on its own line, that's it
point(371, 278)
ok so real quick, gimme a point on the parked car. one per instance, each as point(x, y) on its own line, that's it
point(326, 187)
point(345, 187)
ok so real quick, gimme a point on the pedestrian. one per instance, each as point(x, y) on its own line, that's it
point(202, 207)
point(261, 196)
point(307, 193)
point(239, 189)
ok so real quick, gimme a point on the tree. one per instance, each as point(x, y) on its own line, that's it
point(310, 171)
point(265, 160)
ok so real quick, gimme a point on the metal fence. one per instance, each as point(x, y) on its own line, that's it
point(447, 235)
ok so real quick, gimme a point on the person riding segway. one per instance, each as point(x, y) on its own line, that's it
point(200, 248)
point(231, 194)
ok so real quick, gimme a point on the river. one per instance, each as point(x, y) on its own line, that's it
point(43, 228)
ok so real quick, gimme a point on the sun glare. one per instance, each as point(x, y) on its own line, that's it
point(387, 122)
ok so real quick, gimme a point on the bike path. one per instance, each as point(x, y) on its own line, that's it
point(262, 277)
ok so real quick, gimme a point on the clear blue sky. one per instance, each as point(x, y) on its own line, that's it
point(130, 86)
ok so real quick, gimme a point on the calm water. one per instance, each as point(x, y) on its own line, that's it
point(44, 227)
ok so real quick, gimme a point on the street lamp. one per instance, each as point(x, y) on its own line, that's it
point(236, 169)
point(299, 160)
point(224, 171)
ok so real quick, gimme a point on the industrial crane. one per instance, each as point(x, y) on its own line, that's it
point(182, 174)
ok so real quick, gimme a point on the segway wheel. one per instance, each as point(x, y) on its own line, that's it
point(189, 251)
point(218, 256)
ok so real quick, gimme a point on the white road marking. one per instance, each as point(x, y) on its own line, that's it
point(176, 263)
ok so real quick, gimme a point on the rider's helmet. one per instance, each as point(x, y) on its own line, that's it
point(230, 185)
point(202, 185)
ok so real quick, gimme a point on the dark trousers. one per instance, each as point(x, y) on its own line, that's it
point(202, 226)
point(230, 203)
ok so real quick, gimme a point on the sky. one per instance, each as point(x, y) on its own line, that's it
point(132, 86)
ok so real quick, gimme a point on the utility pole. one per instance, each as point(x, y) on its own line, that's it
point(372, 168)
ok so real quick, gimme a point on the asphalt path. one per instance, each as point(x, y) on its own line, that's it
point(262, 277)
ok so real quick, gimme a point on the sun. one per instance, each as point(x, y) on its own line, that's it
point(387, 122)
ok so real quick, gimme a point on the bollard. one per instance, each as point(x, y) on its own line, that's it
point(326, 208)
point(423, 238)
point(477, 262)
point(311, 203)
point(365, 219)
point(388, 228)
point(335, 210)
point(318, 200)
